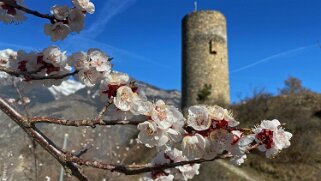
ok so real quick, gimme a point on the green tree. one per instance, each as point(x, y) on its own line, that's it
point(204, 93)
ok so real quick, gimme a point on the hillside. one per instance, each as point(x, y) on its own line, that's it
point(301, 114)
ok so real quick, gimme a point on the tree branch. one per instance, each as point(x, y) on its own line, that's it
point(103, 111)
point(82, 122)
point(31, 76)
point(138, 169)
point(29, 11)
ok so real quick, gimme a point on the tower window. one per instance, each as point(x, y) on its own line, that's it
point(212, 47)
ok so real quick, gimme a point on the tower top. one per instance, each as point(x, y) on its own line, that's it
point(195, 6)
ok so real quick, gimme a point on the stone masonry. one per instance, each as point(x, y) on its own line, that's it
point(204, 58)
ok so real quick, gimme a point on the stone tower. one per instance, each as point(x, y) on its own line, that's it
point(204, 58)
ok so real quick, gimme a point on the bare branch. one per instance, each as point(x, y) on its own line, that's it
point(138, 169)
point(29, 11)
point(31, 76)
point(55, 77)
point(82, 122)
point(82, 152)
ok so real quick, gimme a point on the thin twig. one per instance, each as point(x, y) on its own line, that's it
point(103, 111)
point(21, 98)
point(82, 152)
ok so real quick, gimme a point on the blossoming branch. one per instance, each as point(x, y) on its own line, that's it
point(208, 132)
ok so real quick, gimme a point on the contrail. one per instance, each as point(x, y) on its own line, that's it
point(16, 46)
point(272, 57)
point(110, 9)
point(89, 43)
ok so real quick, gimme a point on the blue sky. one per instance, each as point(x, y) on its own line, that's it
point(267, 40)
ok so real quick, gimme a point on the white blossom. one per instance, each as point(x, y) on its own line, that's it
point(221, 116)
point(272, 137)
point(92, 66)
point(5, 79)
point(228, 116)
point(84, 5)
point(216, 112)
point(124, 98)
point(238, 159)
point(159, 177)
point(241, 144)
point(172, 130)
point(169, 155)
point(76, 20)
point(167, 118)
point(175, 155)
point(99, 60)
point(209, 151)
point(60, 12)
point(193, 146)
point(163, 114)
point(51, 61)
point(184, 172)
point(187, 172)
point(110, 83)
point(54, 56)
point(140, 106)
point(220, 140)
point(89, 77)
point(93, 59)
point(6, 56)
point(115, 78)
point(198, 118)
point(150, 135)
point(26, 61)
point(57, 31)
point(9, 14)
point(79, 61)
point(127, 100)
point(176, 131)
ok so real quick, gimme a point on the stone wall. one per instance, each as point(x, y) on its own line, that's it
point(204, 57)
